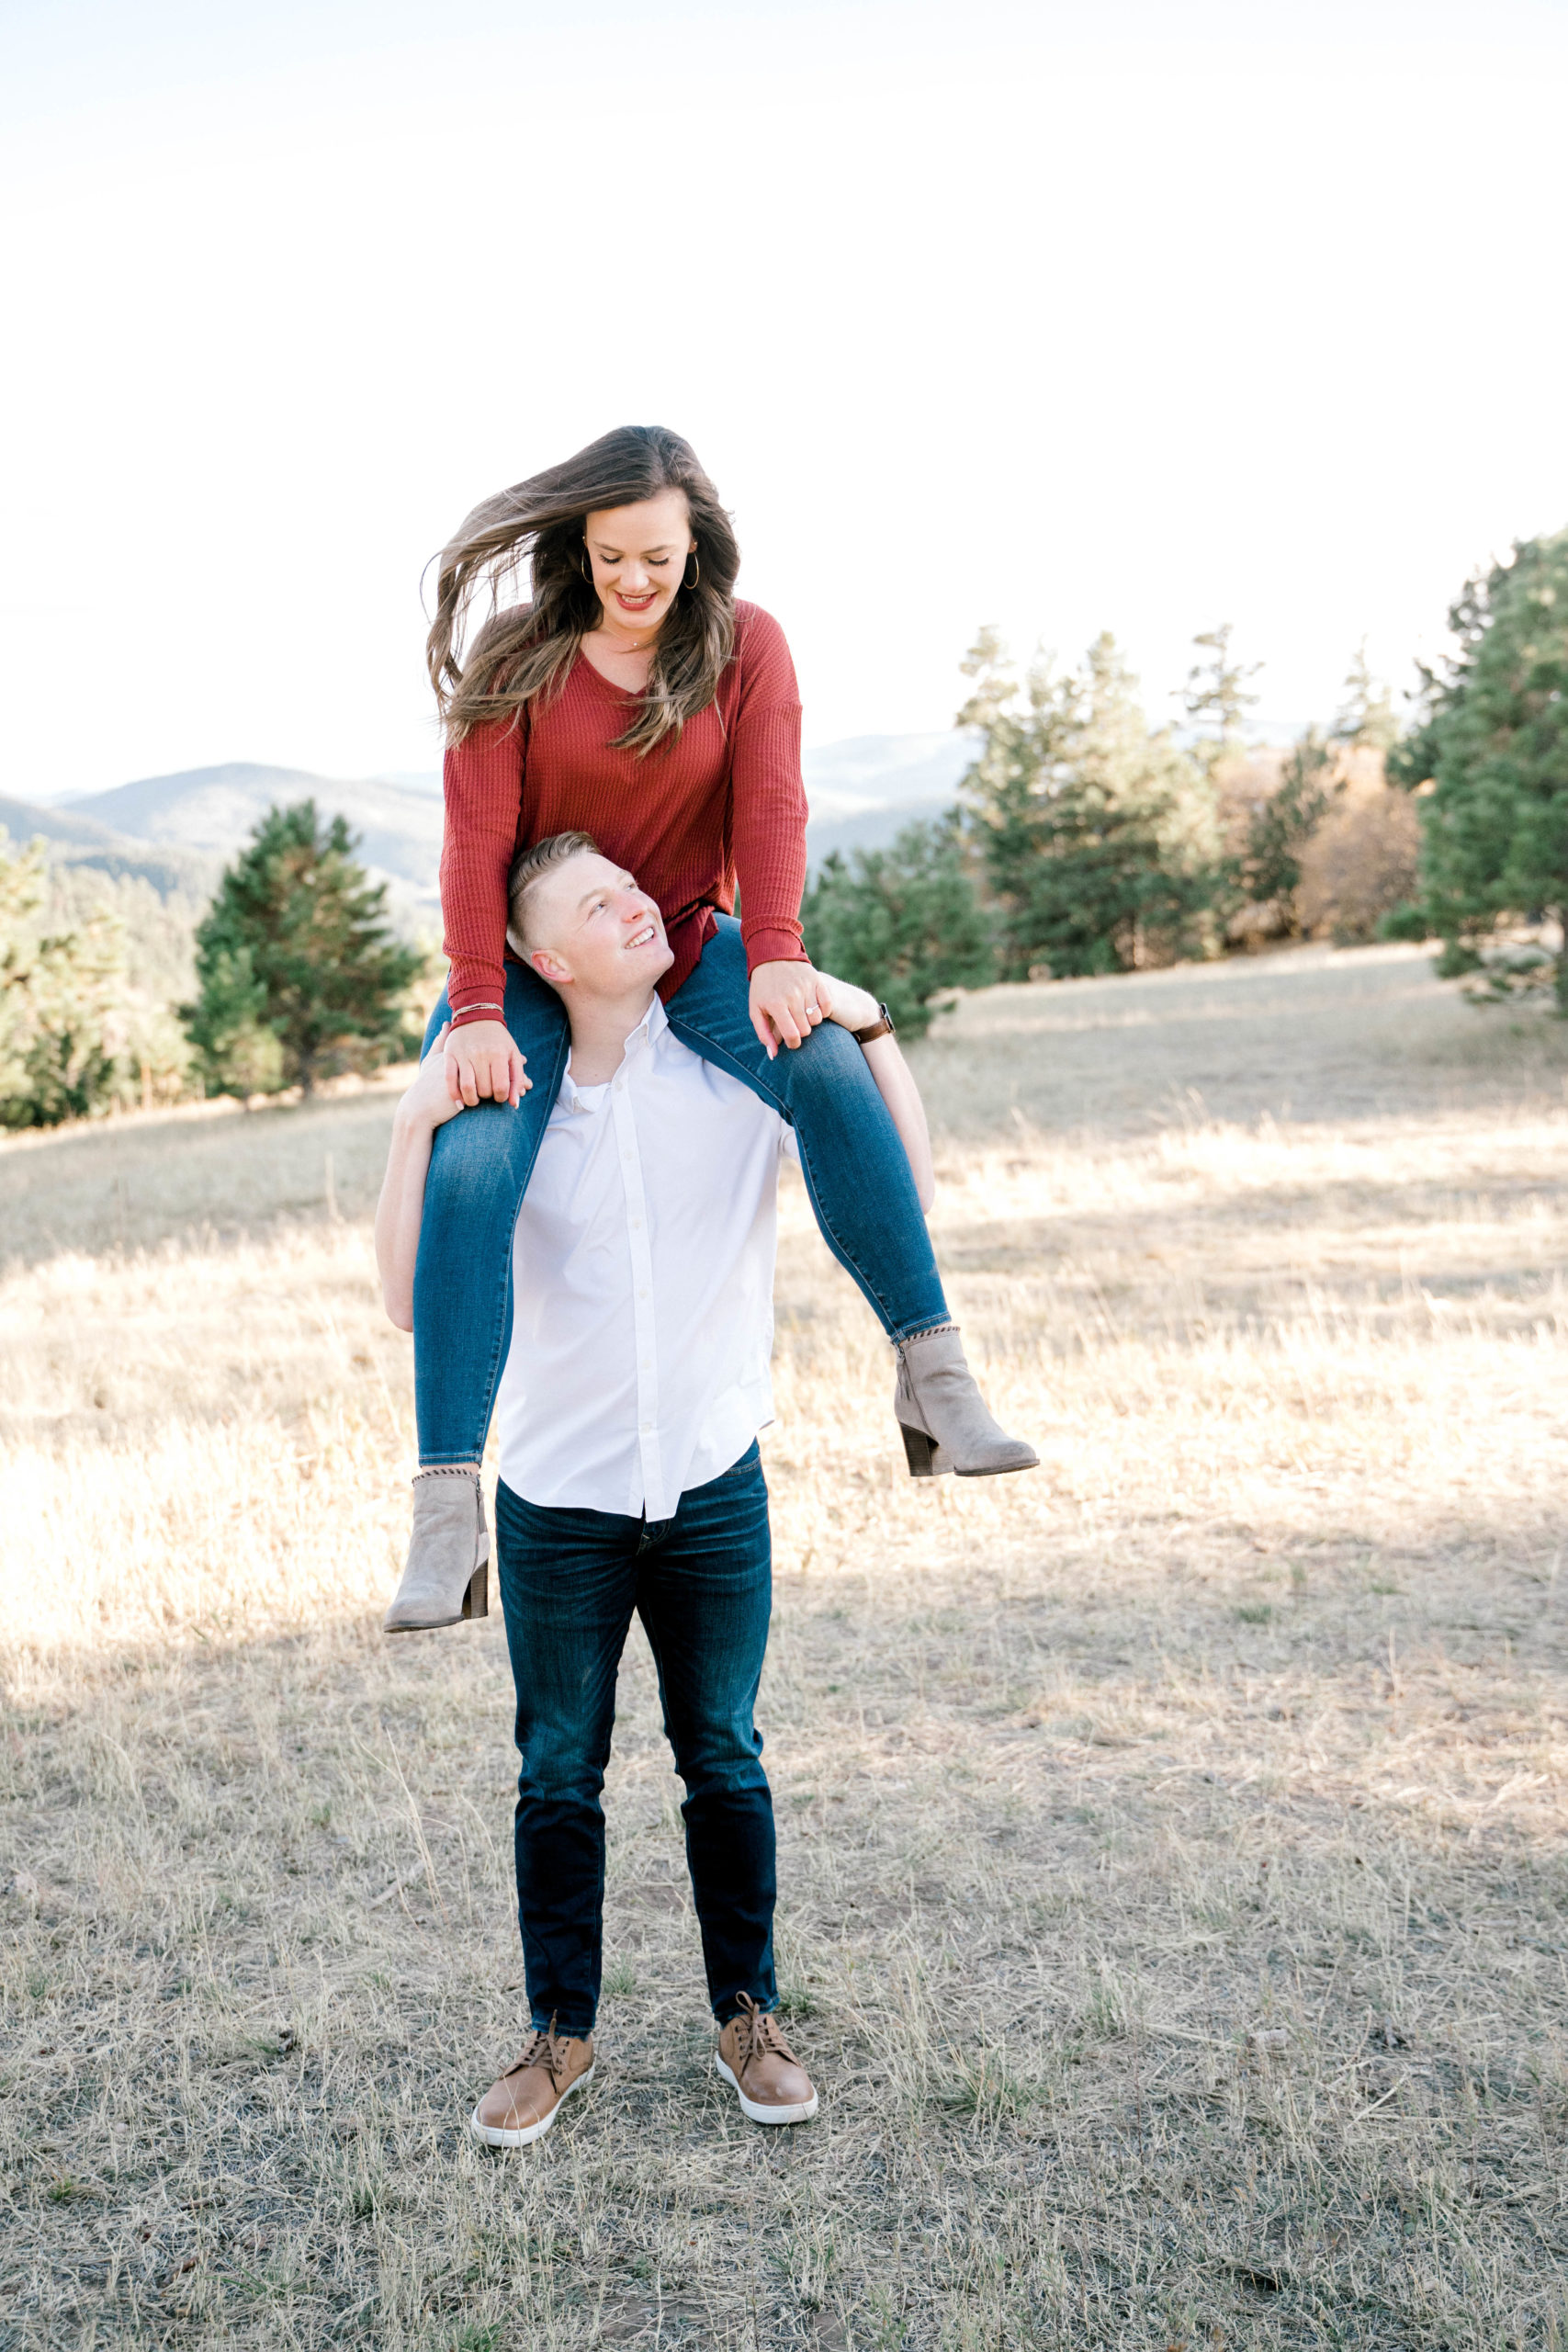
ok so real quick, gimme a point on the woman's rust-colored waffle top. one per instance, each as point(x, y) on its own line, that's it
point(719, 804)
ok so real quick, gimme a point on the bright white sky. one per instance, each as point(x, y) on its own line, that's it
point(1080, 314)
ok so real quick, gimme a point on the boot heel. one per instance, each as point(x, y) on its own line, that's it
point(918, 1452)
point(475, 1600)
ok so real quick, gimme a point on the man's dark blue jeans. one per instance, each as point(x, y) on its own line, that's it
point(702, 1583)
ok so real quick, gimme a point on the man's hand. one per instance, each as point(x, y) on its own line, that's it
point(852, 1008)
point(428, 1103)
point(482, 1063)
point(788, 1001)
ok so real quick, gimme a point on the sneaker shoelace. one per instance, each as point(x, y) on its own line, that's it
point(546, 2050)
point(757, 2035)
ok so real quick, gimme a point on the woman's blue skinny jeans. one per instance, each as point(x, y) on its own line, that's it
point(856, 1171)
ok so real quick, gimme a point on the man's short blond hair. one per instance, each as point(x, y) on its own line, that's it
point(529, 868)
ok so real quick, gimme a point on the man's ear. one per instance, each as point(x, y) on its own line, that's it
point(550, 968)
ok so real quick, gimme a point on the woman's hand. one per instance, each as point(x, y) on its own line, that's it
point(482, 1061)
point(788, 1001)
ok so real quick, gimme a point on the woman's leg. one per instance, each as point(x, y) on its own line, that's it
point(856, 1170)
point(480, 1167)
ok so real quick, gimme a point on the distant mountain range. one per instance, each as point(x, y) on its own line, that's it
point(177, 832)
point(864, 792)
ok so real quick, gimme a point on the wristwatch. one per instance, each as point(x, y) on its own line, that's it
point(881, 1027)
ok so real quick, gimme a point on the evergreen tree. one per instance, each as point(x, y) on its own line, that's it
point(1281, 825)
point(1099, 837)
point(1491, 742)
point(1366, 718)
point(297, 972)
point(905, 923)
point(62, 1004)
point(1215, 696)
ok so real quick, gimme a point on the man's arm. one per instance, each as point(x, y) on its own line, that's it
point(426, 1106)
point(851, 1008)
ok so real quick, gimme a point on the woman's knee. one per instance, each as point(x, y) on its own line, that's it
point(480, 1146)
point(828, 1064)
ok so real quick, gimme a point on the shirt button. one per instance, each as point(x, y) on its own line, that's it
point(642, 1294)
point(647, 1427)
point(636, 1225)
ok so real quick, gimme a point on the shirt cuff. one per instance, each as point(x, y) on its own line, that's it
point(773, 947)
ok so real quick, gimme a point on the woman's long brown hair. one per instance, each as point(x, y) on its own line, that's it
point(523, 650)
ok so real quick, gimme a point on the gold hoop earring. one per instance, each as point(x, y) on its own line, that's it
point(583, 567)
point(696, 574)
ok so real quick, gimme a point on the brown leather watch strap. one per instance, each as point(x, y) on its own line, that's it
point(882, 1027)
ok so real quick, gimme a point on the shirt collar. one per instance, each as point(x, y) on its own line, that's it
point(649, 1031)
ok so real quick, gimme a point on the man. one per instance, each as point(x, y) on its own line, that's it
point(636, 1381)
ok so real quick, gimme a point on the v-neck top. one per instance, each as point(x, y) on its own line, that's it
point(717, 809)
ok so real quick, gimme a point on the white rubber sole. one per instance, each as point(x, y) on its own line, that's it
point(755, 2114)
point(494, 2137)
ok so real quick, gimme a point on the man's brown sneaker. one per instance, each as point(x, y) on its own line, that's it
point(763, 2070)
point(526, 2100)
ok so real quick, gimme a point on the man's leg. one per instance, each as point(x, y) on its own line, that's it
point(705, 1594)
point(568, 1588)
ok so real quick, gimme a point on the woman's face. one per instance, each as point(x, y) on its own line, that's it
point(638, 557)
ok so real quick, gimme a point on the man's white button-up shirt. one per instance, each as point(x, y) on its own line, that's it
point(642, 1324)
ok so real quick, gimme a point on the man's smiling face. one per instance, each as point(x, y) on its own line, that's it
point(590, 927)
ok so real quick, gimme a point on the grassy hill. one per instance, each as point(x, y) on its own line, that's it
point(1171, 1840)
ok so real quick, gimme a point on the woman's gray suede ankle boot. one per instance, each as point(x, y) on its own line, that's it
point(945, 1420)
point(447, 1576)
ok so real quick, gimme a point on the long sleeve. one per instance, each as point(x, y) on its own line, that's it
point(482, 779)
point(768, 809)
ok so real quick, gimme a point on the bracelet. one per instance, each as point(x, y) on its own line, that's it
point(881, 1027)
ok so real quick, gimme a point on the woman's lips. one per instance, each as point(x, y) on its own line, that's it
point(636, 604)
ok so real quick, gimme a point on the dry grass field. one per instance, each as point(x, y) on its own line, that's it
point(1175, 1904)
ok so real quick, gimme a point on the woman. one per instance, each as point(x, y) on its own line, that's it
point(633, 697)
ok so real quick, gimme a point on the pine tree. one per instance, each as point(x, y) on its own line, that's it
point(1366, 718)
point(1492, 743)
point(1215, 697)
point(1100, 836)
point(62, 1004)
point(1283, 824)
point(297, 972)
point(905, 923)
